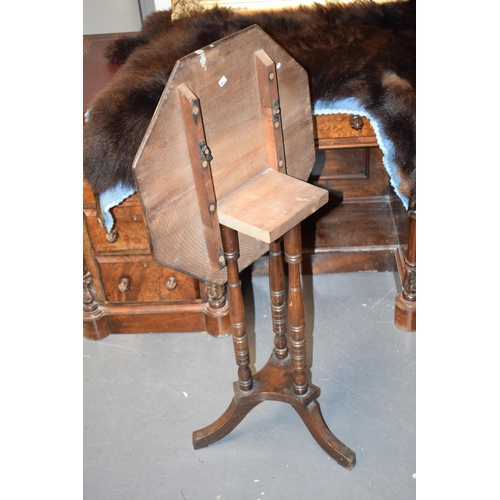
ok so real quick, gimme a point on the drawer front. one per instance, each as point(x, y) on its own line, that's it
point(137, 278)
point(343, 131)
point(341, 164)
point(129, 233)
point(355, 172)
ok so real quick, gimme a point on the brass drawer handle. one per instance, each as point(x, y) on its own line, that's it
point(112, 236)
point(356, 122)
point(124, 285)
point(170, 283)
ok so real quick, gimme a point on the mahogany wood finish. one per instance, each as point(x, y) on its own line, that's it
point(293, 257)
point(283, 378)
point(278, 305)
point(256, 201)
point(273, 382)
point(237, 308)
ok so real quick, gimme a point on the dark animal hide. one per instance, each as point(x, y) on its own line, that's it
point(363, 50)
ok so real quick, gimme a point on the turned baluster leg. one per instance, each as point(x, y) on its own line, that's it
point(409, 283)
point(217, 311)
point(293, 256)
point(278, 306)
point(236, 308)
point(406, 300)
point(95, 324)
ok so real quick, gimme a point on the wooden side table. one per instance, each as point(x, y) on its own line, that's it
point(241, 152)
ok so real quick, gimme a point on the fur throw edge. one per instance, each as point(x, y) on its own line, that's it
point(362, 49)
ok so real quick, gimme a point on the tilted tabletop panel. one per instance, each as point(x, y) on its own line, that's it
point(221, 83)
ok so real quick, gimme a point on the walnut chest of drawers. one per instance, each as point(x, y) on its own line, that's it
point(125, 291)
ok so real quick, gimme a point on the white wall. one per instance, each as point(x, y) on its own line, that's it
point(111, 16)
point(255, 4)
point(163, 4)
point(116, 16)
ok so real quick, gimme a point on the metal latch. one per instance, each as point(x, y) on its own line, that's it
point(276, 113)
point(206, 156)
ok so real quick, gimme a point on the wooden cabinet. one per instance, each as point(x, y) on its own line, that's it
point(364, 225)
point(125, 291)
point(343, 131)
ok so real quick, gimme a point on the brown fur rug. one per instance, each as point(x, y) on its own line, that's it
point(362, 50)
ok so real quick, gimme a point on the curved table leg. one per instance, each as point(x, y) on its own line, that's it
point(228, 421)
point(274, 382)
point(284, 377)
point(311, 416)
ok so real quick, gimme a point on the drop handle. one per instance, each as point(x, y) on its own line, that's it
point(124, 285)
point(356, 122)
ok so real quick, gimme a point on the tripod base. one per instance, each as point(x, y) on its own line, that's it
point(274, 383)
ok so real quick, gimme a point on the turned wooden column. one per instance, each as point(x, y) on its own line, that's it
point(217, 311)
point(293, 256)
point(236, 308)
point(95, 325)
point(406, 300)
point(278, 303)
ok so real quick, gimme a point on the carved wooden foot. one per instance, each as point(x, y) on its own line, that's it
point(274, 382)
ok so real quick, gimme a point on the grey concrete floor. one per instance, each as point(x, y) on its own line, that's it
point(144, 395)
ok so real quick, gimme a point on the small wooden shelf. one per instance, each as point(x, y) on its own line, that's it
point(269, 205)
